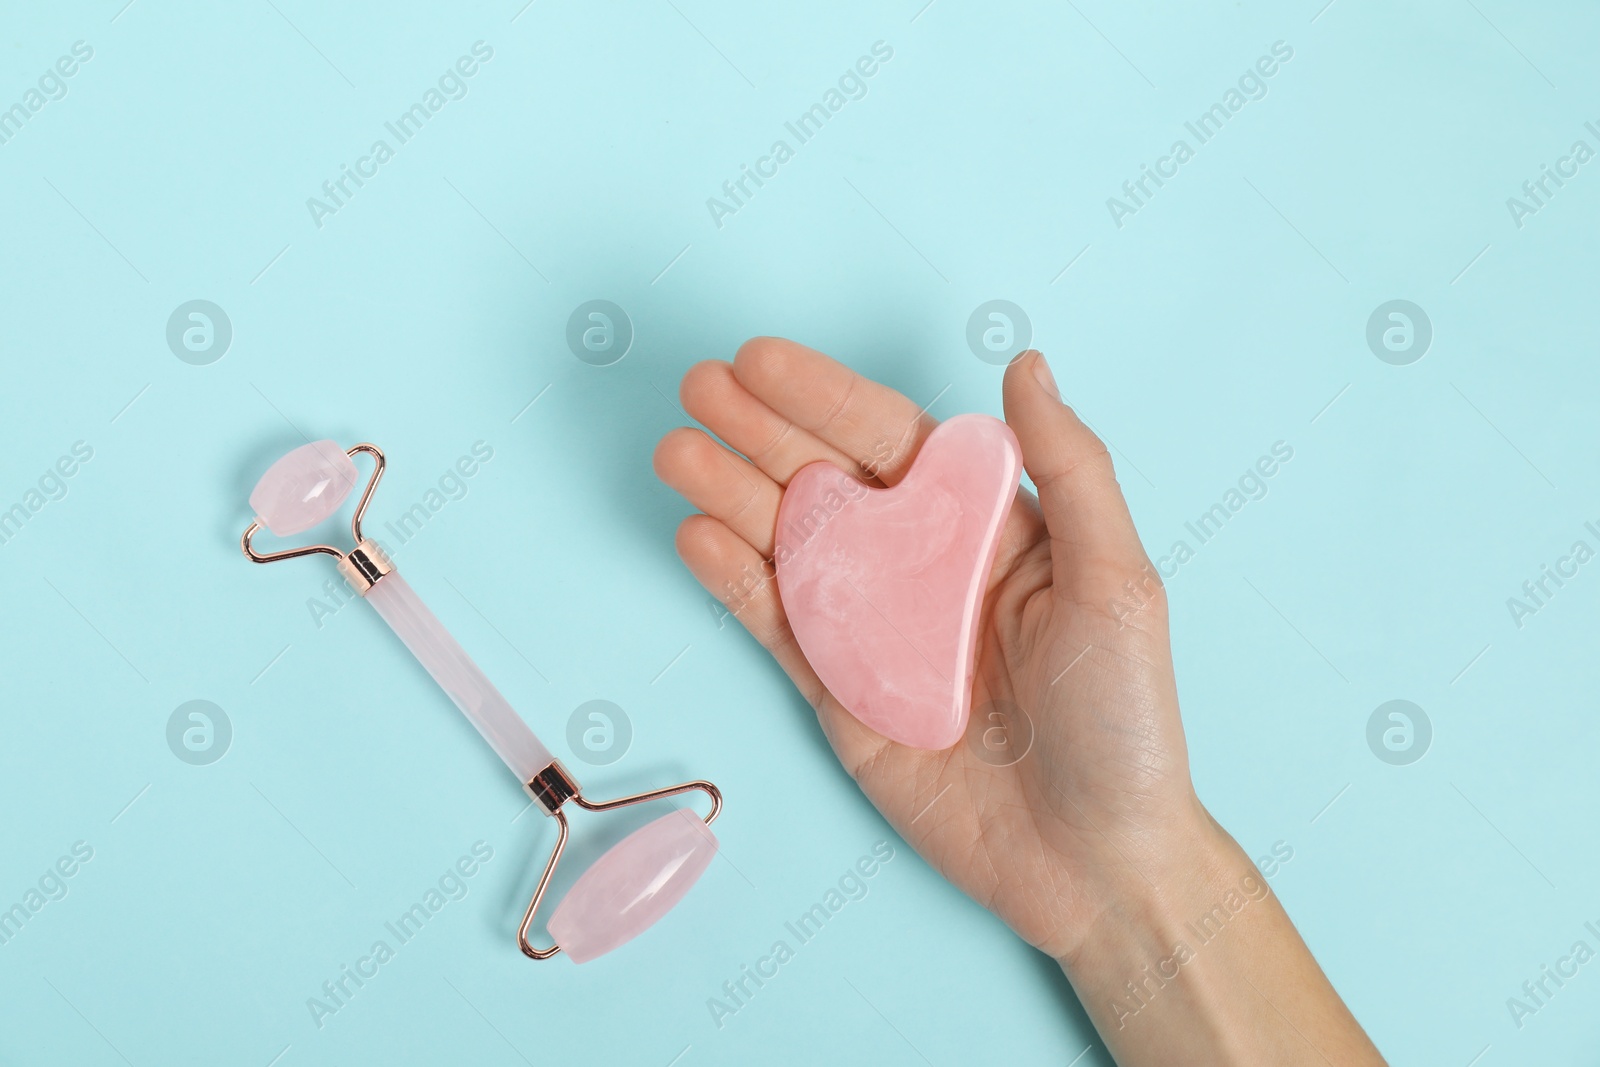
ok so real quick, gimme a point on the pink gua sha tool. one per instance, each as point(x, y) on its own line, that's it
point(883, 587)
point(629, 887)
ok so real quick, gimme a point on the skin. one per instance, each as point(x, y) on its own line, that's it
point(1093, 846)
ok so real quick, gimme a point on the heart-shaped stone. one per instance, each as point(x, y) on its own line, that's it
point(883, 587)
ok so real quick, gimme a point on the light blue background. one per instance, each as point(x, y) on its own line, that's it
point(1226, 315)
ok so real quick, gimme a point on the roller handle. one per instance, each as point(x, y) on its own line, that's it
point(459, 676)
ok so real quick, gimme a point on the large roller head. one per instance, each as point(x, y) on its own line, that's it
point(635, 883)
point(303, 488)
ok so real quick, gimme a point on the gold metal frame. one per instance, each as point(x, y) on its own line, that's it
point(355, 521)
point(557, 771)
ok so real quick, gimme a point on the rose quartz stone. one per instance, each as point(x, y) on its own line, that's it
point(303, 488)
point(635, 883)
point(883, 587)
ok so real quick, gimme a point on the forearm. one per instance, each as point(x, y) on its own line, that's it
point(1200, 964)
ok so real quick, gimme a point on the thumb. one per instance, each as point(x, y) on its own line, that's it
point(1091, 532)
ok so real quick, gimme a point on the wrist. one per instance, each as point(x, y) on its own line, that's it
point(1166, 947)
point(1145, 913)
point(1198, 963)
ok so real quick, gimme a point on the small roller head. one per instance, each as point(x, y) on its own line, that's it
point(303, 488)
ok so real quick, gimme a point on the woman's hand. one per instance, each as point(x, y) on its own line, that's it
point(1073, 632)
point(1091, 843)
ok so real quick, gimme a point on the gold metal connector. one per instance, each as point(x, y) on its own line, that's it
point(363, 565)
point(552, 787)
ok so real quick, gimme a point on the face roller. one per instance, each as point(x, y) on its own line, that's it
point(633, 884)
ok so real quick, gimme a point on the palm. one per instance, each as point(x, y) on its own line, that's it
point(1083, 760)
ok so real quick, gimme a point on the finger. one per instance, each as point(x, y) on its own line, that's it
point(724, 485)
point(877, 427)
point(735, 574)
point(742, 580)
point(1084, 510)
point(712, 394)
